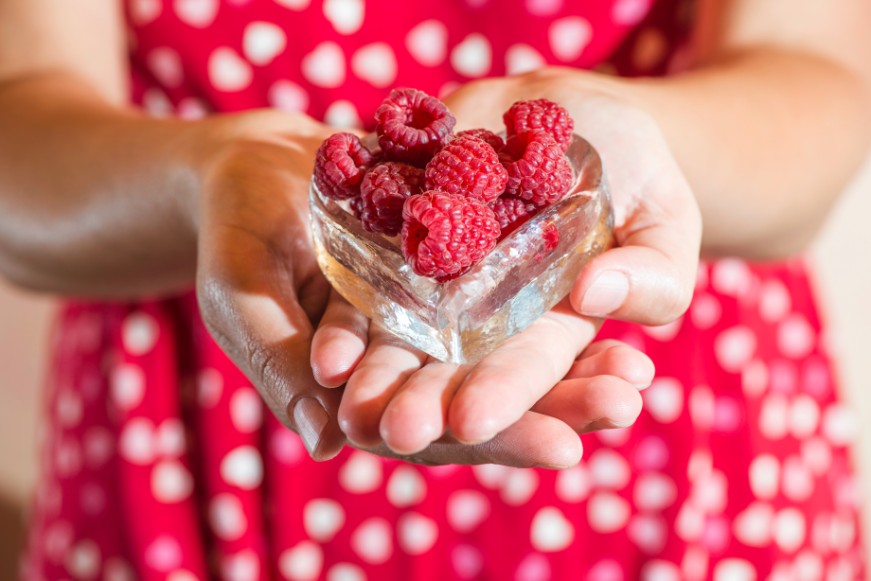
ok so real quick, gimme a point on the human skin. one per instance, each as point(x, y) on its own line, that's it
point(138, 206)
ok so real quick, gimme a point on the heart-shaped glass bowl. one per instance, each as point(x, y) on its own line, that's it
point(462, 320)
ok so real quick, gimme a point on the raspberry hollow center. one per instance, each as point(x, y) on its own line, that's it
point(419, 119)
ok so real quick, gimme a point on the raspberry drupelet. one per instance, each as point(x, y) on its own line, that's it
point(484, 135)
point(538, 171)
point(444, 235)
point(412, 126)
point(340, 163)
point(383, 193)
point(511, 213)
point(540, 114)
point(468, 166)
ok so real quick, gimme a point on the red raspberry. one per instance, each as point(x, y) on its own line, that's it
point(467, 166)
point(511, 213)
point(340, 163)
point(383, 192)
point(538, 171)
point(357, 207)
point(444, 235)
point(412, 126)
point(540, 114)
point(486, 135)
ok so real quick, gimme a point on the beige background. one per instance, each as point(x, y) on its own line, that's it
point(841, 257)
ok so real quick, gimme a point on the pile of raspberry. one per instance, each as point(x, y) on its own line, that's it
point(452, 197)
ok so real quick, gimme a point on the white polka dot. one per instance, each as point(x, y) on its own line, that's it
point(416, 533)
point(143, 12)
point(467, 561)
point(192, 109)
point(405, 487)
point(69, 408)
point(753, 526)
point(629, 12)
point(702, 407)
point(573, 484)
point(798, 482)
point(522, 58)
point(68, 457)
point(614, 437)
point(651, 454)
point(136, 444)
point(322, 519)
point(774, 301)
point(568, 37)
point(473, 56)
point(428, 43)
point(808, 566)
point(774, 416)
point(519, 486)
point(295, 4)
point(210, 385)
point(466, 509)
point(171, 481)
point(288, 96)
point(372, 541)
point(544, 7)
point(817, 455)
point(345, 572)
point(227, 517)
point(242, 566)
point(700, 465)
point(648, 532)
point(197, 13)
point(789, 529)
point(346, 16)
point(690, 523)
point(163, 554)
point(98, 446)
point(156, 103)
point(57, 540)
point(795, 337)
point(658, 570)
point(550, 530)
point(842, 533)
point(734, 348)
point(246, 410)
point(705, 311)
point(302, 562)
point(605, 570)
point(734, 570)
point(375, 63)
point(228, 72)
point(491, 476)
point(609, 469)
point(342, 115)
point(139, 333)
point(127, 386)
point(361, 473)
point(607, 512)
point(83, 561)
point(728, 413)
point(243, 468)
point(534, 567)
point(117, 569)
point(166, 66)
point(263, 42)
point(654, 492)
point(664, 399)
point(754, 378)
point(731, 277)
point(170, 438)
point(840, 425)
point(710, 492)
point(286, 446)
point(325, 66)
point(764, 476)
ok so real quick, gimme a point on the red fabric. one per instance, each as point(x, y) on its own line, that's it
point(160, 461)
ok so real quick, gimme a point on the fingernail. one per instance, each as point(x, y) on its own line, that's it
point(607, 293)
point(310, 419)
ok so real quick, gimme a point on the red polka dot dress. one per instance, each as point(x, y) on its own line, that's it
point(160, 462)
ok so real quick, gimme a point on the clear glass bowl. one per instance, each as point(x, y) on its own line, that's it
point(462, 320)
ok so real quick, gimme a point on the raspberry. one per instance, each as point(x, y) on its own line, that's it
point(340, 163)
point(538, 171)
point(412, 126)
point(540, 114)
point(444, 235)
point(467, 166)
point(383, 192)
point(357, 207)
point(511, 213)
point(485, 135)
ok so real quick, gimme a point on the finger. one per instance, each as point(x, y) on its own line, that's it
point(339, 342)
point(388, 362)
point(611, 357)
point(510, 380)
point(649, 277)
point(535, 440)
point(593, 403)
point(258, 322)
point(417, 414)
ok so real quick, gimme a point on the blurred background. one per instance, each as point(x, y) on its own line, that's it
point(840, 258)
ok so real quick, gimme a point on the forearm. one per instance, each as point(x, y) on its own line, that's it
point(94, 200)
point(767, 141)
